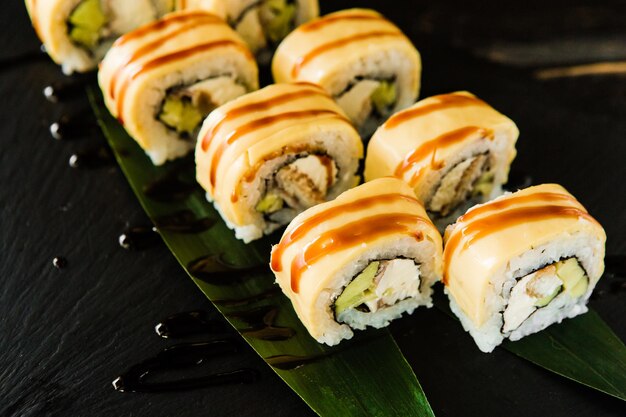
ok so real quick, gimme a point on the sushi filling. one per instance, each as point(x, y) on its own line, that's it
point(184, 108)
point(87, 24)
point(538, 289)
point(368, 102)
point(298, 184)
point(380, 285)
point(265, 21)
point(93, 24)
point(469, 178)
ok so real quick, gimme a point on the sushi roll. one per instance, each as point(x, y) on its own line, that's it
point(449, 148)
point(77, 33)
point(522, 262)
point(363, 60)
point(262, 24)
point(266, 156)
point(360, 260)
point(163, 79)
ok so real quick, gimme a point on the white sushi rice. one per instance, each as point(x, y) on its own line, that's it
point(423, 253)
point(489, 334)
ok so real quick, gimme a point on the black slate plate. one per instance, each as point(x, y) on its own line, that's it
point(66, 334)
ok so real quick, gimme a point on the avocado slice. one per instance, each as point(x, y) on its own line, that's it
point(86, 21)
point(384, 96)
point(484, 184)
point(359, 290)
point(575, 281)
point(277, 16)
point(180, 114)
point(542, 302)
point(269, 204)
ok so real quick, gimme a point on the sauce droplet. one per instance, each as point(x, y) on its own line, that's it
point(91, 158)
point(72, 126)
point(59, 262)
point(190, 323)
point(139, 237)
point(177, 357)
point(59, 91)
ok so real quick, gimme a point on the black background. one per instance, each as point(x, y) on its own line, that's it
point(66, 334)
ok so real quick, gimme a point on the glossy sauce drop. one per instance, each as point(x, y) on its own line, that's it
point(139, 237)
point(174, 358)
point(59, 262)
point(74, 126)
point(91, 158)
point(59, 91)
point(190, 323)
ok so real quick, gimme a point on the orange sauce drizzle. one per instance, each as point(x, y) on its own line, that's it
point(506, 219)
point(361, 231)
point(259, 124)
point(306, 58)
point(135, 70)
point(257, 107)
point(430, 149)
point(444, 101)
point(195, 20)
point(322, 22)
point(301, 229)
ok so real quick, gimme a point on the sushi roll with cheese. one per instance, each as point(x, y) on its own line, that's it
point(266, 156)
point(360, 260)
point(163, 79)
point(262, 24)
point(363, 60)
point(451, 149)
point(522, 262)
point(77, 33)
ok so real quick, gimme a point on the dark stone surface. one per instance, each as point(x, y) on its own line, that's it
point(65, 334)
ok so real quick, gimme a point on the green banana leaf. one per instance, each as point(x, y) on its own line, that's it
point(365, 376)
point(583, 349)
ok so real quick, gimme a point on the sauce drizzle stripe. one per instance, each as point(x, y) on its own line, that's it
point(320, 23)
point(499, 205)
point(261, 123)
point(158, 26)
point(306, 58)
point(259, 106)
point(444, 101)
point(158, 42)
point(302, 228)
point(134, 71)
point(354, 233)
point(430, 147)
point(503, 220)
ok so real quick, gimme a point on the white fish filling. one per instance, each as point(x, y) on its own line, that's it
point(395, 280)
point(357, 102)
point(530, 293)
point(297, 186)
point(457, 184)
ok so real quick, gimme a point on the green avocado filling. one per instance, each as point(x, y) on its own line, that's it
point(86, 22)
point(269, 204)
point(277, 17)
point(575, 281)
point(483, 184)
point(384, 96)
point(180, 114)
point(359, 291)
